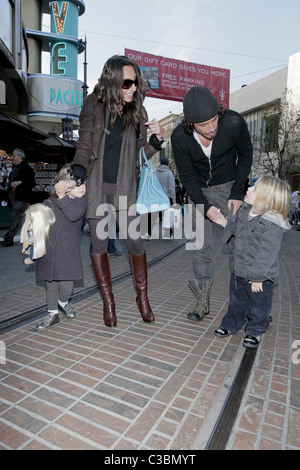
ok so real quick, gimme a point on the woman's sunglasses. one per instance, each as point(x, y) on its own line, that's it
point(127, 83)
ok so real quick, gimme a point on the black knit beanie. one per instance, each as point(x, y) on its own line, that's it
point(200, 105)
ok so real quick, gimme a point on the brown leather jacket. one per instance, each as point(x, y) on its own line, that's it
point(94, 119)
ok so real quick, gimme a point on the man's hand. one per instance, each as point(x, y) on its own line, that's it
point(212, 213)
point(233, 205)
point(14, 184)
point(220, 219)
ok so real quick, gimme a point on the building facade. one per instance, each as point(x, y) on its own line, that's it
point(41, 100)
point(14, 58)
point(56, 96)
point(253, 102)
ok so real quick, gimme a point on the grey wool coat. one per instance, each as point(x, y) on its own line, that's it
point(94, 120)
point(62, 261)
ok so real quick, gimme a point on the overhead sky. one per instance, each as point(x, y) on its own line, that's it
point(252, 39)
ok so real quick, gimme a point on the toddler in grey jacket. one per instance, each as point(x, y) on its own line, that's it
point(258, 227)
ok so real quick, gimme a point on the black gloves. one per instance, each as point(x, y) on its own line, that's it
point(156, 142)
point(78, 174)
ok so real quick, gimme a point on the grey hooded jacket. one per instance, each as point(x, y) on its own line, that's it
point(257, 243)
point(167, 181)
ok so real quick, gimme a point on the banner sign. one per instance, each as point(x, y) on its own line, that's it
point(171, 79)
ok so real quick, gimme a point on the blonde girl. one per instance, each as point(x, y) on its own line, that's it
point(258, 228)
point(35, 231)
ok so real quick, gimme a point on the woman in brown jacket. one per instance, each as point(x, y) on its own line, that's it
point(113, 127)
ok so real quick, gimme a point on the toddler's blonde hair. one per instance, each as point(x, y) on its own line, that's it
point(42, 219)
point(272, 195)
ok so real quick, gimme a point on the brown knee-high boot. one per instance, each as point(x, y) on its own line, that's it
point(139, 271)
point(103, 275)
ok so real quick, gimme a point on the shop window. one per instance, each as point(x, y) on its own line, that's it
point(271, 127)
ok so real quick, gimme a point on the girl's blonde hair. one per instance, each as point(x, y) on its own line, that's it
point(63, 174)
point(42, 218)
point(272, 195)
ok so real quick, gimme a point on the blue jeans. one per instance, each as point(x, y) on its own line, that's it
point(245, 304)
point(111, 245)
point(31, 249)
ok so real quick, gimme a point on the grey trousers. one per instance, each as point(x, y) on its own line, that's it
point(203, 259)
point(58, 290)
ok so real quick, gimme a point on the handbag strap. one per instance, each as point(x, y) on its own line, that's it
point(147, 162)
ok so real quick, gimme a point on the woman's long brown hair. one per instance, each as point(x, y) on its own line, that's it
point(109, 91)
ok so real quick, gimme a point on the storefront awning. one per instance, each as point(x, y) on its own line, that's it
point(36, 144)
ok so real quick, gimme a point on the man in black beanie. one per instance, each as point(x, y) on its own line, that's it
point(213, 154)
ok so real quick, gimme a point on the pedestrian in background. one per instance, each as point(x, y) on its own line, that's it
point(295, 209)
point(20, 183)
point(167, 181)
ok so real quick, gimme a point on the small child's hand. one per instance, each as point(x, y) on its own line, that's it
point(220, 219)
point(60, 189)
point(70, 184)
point(256, 286)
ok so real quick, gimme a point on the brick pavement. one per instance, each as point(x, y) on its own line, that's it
point(269, 417)
point(155, 386)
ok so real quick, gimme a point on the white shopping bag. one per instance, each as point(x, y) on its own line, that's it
point(171, 218)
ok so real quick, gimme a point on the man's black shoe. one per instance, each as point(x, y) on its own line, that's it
point(6, 243)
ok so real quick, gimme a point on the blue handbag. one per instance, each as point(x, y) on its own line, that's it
point(151, 196)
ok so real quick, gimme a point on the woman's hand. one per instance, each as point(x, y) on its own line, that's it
point(63, 187)
point(155, 128)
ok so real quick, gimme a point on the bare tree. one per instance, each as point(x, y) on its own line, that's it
point(278, 144)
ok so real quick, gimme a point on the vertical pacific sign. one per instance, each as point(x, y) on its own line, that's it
point(64, 53)
point(58, 95)
point(170, 79)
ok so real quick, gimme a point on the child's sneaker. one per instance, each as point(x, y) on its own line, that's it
point(48, 321)
point(251, 341)
point(222, 332)
point(67, 310)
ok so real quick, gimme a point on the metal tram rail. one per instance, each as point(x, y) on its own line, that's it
point(225, 421)
point(26, 317)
